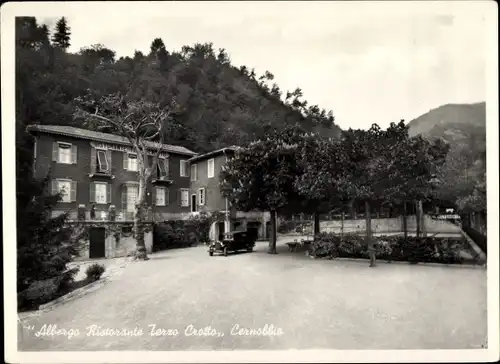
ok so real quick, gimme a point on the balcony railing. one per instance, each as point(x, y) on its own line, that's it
point(166, 178)
point(86, 214)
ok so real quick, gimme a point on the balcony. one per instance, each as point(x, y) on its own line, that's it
point(163, 179)
point(98, 172)
point(106, 215)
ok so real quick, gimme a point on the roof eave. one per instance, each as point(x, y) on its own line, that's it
point(211, 154)
point(33, 129)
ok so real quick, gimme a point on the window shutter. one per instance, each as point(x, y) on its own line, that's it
point(93, 160)
point(167, 172)
point(73, 191)
point(92, 192)
point(125, 160)
point(167, 197)
point(124, 198)
point(54, 187)
point(74, 154)
point(108, 193)
point(55, 152)
point(195, 172)
point(154, 196)
point(179, 197)
point(108, 156)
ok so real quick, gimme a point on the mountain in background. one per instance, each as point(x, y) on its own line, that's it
point(463, 126)
point(456, 123)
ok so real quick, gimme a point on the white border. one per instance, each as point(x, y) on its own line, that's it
point(10, 10)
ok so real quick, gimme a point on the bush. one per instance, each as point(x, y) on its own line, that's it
point(391, 248)
point(40, 292)
point(67, 279)
point(94, 272)
point(184, 233)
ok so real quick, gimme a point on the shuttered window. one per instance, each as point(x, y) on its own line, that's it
point(184, 197)
point(100, 192)
point(102, 160)
point(67, 189)
point(64, 153)
point(101, 195)
point(160, 196)
point(201, 196)
point(162, 167)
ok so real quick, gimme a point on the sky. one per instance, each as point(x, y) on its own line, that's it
point(368, 62)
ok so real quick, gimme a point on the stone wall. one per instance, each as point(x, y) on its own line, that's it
point(118, 242)
point(390, 225)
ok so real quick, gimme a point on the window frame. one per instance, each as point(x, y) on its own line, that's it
point(100, 170)
point(70, 146)
point(162, 162)
point(202, 192)
point(106, 186)
point(59, 181)
point(134, 157)
point(164, 190)
point(184, 164)
point(212, 162)
point(186, 191)
point(193, 175)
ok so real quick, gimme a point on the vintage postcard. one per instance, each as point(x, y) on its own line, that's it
point(289, 181)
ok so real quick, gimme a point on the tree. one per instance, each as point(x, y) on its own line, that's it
point(61, 37)
point(261, 176)
point(363, 163)
point(157, 45)
point(322, 162)
point(410, 164)
point(140, 122)
point(45, 244)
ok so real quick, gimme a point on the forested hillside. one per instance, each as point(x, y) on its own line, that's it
point(463, 126)
point(218, 104)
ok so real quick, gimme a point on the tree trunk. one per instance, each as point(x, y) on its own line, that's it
point(316, 223)
point(272, 238)
point(140, 253)
point(405, 221)
point(417, 216)
point(369, 240)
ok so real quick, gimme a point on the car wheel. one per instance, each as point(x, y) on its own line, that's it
point(211, 253)
point(225, 251)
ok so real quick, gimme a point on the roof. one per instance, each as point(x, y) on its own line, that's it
point(71, 131)
point(213, 153)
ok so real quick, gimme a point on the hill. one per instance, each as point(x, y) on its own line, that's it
point(453, 122)
point(464, 127)
point(218, 104)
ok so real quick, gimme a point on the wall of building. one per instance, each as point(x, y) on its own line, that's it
point(213, 200)
point(80, 172)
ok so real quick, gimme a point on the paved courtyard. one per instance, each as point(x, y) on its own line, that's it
point(314, 304)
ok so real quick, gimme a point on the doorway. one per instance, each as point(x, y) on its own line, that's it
point(97, 246)
point(193, 203)
point(220, 229)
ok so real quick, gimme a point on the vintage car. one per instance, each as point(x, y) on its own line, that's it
point(232, 242)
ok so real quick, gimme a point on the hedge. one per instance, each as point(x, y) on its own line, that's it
point(391, 248)
point(183, 233)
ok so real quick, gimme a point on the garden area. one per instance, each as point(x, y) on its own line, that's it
point(396, 248)
point(41, 292)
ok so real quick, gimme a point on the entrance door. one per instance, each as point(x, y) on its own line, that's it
point(193, 203)
point(97, 243)
point(220, 227)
